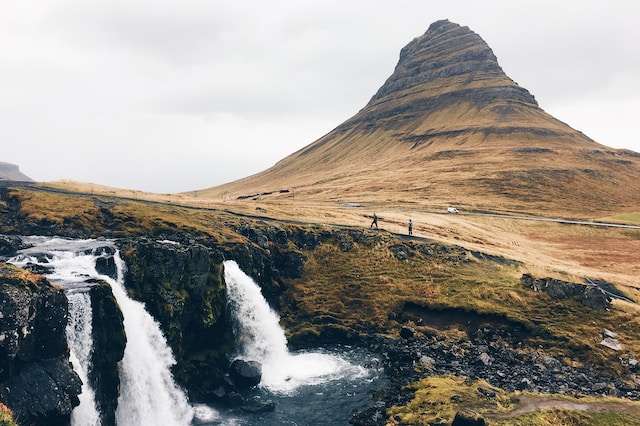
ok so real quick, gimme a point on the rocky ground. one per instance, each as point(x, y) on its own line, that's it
point(36, 378)
point(427, 309)
point(493, 355)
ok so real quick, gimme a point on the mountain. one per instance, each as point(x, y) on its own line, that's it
point(10, 171)
point(450, 127)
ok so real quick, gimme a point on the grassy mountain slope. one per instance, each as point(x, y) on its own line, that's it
point(449, 126)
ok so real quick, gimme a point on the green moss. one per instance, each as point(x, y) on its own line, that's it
point(6, 416)
point(438, 399)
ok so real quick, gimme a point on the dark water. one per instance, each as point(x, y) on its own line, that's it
point(329, 403)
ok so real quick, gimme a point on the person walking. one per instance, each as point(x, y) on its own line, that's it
point(410, 227)
point(375, 221)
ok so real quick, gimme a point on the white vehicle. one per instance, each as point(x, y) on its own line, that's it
point(452, 210)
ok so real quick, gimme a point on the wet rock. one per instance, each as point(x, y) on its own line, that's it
point(9, 245)
point(38, 269)
point(245, 374)
point(257, 406)
point(109, 342)
point(468, 418)
point(107, 266)
point(36, 378)
point(183, 288)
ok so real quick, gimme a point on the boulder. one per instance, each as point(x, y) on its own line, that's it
point(407, 332)
point(9, 245)
point(245, 374)
point(485, 358)
point(612, 344)
point(468, 418)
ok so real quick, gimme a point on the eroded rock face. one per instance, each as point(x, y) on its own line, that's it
point(589, 295)
point(36, 379)
point(183, 288)
point(447, 65)
point(109, 342)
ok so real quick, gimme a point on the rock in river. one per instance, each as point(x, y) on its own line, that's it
point(245, 374)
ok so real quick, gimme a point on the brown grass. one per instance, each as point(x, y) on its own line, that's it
point(439, 398)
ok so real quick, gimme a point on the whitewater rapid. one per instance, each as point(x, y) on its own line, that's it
point(148, 394)
point(262, 339)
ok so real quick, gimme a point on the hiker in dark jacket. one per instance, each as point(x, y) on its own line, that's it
point(410, 227)
point(375, 222)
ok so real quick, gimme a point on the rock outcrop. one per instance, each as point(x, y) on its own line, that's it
point(455, 64)
point(109, 342)
point(36, 379)
point(10, 171)
point(183, 288)
point(589, 295)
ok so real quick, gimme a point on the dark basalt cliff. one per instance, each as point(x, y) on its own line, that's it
point(109, 342)
point(36, 378)
point(183, 288)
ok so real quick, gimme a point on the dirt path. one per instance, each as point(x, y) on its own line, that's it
point(529, 404)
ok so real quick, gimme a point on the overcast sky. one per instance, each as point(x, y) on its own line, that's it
point(176, 95)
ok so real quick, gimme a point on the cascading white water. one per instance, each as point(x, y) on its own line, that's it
point(148, 393)
point(262, 339)
point(80, 342)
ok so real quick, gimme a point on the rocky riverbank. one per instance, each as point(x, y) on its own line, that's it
point(36, 379)
point(424, 307)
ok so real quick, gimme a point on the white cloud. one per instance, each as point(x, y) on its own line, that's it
point(170, 96)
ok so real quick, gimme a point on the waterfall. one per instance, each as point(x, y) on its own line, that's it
point(262, 339)
point(80, 343)
point(148, 394)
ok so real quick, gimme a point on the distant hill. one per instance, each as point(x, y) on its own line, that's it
point(450, 127)
point(10, 171)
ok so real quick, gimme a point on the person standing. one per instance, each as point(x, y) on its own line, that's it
point(410, 227)
point(375, 221)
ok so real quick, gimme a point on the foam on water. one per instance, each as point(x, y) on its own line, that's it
point(262, 339)
point(148, 394)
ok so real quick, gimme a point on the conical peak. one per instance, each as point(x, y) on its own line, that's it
point(446, 55)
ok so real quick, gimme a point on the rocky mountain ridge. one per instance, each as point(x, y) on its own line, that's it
point(10, 171)
point(450, 127)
